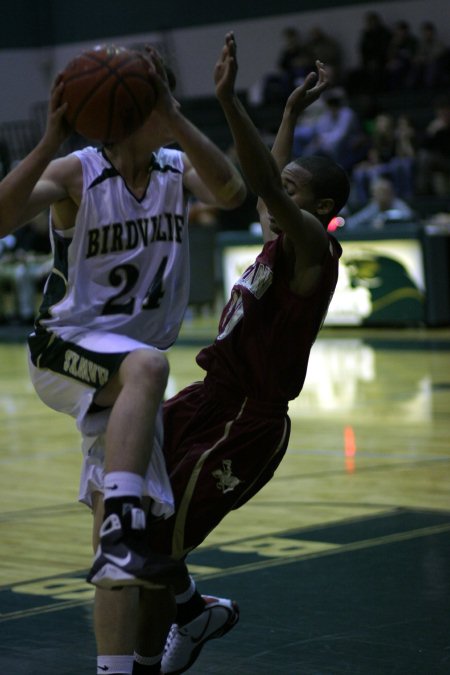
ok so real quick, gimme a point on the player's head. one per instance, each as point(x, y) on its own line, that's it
point(318, 185)
point(170, 75)
point(153, 123)
point(157, 60)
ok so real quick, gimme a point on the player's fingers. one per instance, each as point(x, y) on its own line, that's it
point(225, 53)
point(156, 61)
point(58, 79)
point(310, 80)
point(56, 94)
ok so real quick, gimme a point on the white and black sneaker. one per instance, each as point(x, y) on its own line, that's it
point(123, 557)
point(184, 643)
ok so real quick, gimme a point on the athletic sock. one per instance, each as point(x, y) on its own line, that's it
point(146, 665)
point(114, 665)
point(190, 604)
point(123, 484)
point(122, 491)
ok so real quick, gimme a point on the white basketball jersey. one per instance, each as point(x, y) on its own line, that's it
point(124, 268)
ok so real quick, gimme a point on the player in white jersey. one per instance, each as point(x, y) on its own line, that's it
point(116, 297)
point(139, 247)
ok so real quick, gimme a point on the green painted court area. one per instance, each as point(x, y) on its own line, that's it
point(366, 596)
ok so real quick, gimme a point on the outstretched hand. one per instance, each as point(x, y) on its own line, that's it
point(226, 69)
point(309, 91)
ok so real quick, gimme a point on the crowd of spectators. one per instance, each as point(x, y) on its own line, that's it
point(391, 153)
point(350, 125)
point(389, 58)
point(394, 57)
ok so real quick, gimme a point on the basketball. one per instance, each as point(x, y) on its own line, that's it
point(108, 93)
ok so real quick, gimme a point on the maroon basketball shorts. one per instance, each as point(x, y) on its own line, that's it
point(220, 451)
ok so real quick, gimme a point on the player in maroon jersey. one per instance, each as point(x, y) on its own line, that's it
point(225, 436)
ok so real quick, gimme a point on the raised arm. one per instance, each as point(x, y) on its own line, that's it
point(17, 187)
point(302, 97)
point(257, 163)
point(304, 232)
point(209, 174)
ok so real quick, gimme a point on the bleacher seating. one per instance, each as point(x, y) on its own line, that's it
point(20, 136)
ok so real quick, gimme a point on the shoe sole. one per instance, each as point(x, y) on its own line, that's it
point(109, 576)
point(220, 632)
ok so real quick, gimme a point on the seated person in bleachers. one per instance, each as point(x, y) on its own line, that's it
point(337, 133)
point(325, 48)
point(5, 159)
point(231, 220)
point(428, 64)
point(384, 206)
point(391, 154)
point(433, 157)
point(202, 214)
point(25, 262)
point(294, 62)
point(373, 43)
point(401, 54)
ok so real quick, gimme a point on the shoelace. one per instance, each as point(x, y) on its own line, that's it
point(172, 644)
point(171, 637)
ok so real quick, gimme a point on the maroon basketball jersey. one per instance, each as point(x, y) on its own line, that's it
point(266, 331)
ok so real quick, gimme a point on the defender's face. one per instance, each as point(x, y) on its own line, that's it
point(297, 184)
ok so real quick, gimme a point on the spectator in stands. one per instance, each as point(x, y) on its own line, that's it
point(403, 164)
point(385, 206)
point(433, 157)
point(5, 159)
point(373, 46)
point(402, 52)
point(240, 218)
point(428, 64)
point(328, 51)
point(25, 262)
point(293, 63)
point(295, 60)
point(337, 133)
point(244, 215)
point(391, 154)
point(202, 214)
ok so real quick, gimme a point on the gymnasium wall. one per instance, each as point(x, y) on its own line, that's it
point(27, 23)
point(38, 38)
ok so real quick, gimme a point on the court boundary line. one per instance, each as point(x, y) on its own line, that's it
point(250, 567)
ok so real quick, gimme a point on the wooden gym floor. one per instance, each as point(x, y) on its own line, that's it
point(341, 565)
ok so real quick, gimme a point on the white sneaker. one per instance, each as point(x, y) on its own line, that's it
point(184, 643)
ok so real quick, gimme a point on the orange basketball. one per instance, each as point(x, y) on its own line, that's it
point(109, 93)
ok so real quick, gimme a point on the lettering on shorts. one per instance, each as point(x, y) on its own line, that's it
point(84, 369)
